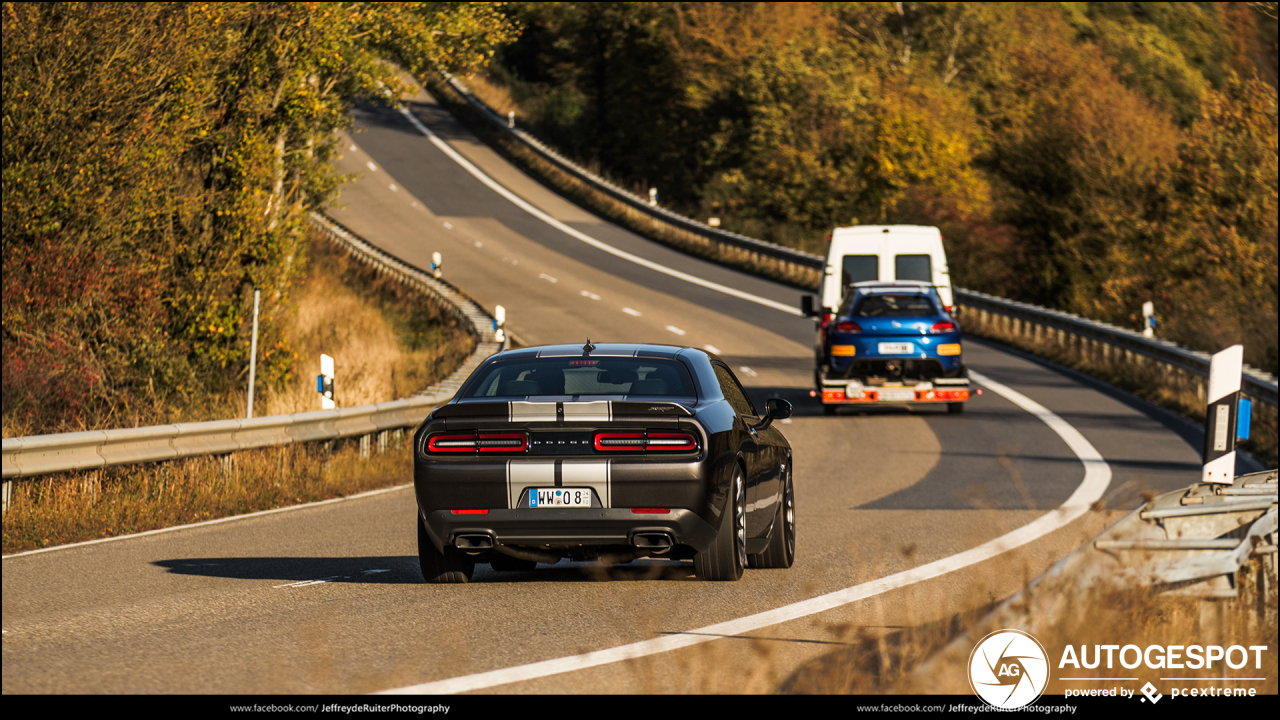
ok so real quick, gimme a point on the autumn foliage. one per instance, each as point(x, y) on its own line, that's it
point(1084, 156)
point(160, 160)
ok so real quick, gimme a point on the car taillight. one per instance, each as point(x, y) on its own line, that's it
point(826, 318)
point(507, 442)
point(848, 326)
point(942, 326)
point(483, 442)
point(452, 443)
point(655, 442)
point(469, 512)
point(672, 442)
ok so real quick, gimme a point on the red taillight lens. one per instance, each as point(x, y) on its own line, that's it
point(469, 512)
point(484, 442)
point(654, 442)
point(508, 442)
point(942, 326)
point(452, 443)
point(848, 326)
point(826, 318)
point(606, 442)
point(671, 442)
point(650, 511)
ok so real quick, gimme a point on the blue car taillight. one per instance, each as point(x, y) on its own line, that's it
point(848, 326)
point(942, 326)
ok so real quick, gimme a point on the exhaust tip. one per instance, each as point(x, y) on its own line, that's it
point(473, 542)
point(660, 542)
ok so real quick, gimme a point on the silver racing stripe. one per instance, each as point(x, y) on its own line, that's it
point(528, 473)
point(598, 411)
point(533, 411)
point(588, 473)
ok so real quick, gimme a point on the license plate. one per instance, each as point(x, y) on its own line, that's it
point(897, 348)
point(559, 497)
point(897, 395)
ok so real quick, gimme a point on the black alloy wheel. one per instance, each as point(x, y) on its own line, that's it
point(781, 552)
point(727, 556)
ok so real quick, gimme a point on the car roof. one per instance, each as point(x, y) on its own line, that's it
point(604, 350)
point(891, 285)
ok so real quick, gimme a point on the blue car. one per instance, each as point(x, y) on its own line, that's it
point(890, 343)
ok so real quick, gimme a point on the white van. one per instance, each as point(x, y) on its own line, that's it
point(884, 253)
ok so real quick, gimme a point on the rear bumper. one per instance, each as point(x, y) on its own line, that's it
point(563, 528)
point(833, 394)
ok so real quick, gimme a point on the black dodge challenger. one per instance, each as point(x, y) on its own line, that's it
point(612, 452)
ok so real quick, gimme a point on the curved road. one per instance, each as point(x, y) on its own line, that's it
point(328, 598)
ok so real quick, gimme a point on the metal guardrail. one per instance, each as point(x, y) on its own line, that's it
point(1211, 543)
point(43, 454)
point(1256, 383)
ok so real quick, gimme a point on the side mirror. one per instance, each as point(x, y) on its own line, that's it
point(774, 409)
point(806, 306)
point(777, 409)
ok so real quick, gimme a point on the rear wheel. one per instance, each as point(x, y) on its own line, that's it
point(727, 556)
point(955, 408)
point(451, 566)
point(781, 551)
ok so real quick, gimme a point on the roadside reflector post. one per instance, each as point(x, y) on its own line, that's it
point(511, 118)
point(1220, 420)
point(499, 324)
point(324, 383)
point(437, 265)
point(653, 196)
point(1148, 319)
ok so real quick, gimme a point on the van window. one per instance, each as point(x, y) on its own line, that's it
point(913, 267)
point(860, 268)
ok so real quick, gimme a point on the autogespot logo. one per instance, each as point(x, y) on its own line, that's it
point(1008, 669)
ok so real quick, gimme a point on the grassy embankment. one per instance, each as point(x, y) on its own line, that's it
point(388, 342)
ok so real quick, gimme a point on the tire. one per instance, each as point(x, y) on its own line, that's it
point(955, 408)
point(506, 563)
point(727, 556)
point(781, 551)
point(451, 566)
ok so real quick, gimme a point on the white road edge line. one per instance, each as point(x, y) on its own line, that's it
point(215, 521)
point(523, 205)
point(1097, 475)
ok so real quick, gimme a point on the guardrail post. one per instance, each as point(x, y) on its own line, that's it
point(226, 464)
point(8, 487)
point(364, 446)
point(382, 442)
point(91, 484)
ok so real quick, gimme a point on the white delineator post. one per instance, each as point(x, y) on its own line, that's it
point(1225, 368)
point(324, 383)
point(499, 323)
point(437, 265)
point(1148, 319)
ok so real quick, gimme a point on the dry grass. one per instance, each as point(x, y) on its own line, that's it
point(73, 507)
point(387, 341)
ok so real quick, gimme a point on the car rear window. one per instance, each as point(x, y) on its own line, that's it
point(583, 376)
point(894, 305)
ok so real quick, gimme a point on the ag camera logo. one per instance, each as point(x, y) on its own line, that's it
point(1008, 669)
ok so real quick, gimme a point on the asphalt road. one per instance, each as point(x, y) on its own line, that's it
point(328, 598)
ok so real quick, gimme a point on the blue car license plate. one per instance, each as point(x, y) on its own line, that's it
point(559, 497)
